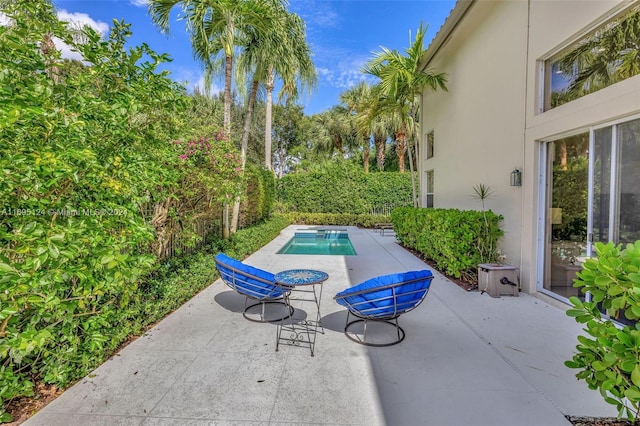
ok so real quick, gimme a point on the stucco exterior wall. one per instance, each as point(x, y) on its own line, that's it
point(490, 120)
point(479, 123)
point(553, 26)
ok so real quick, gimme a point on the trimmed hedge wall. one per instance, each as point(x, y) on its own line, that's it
point(259, 196)
point(341, 187)
point(345, 219)
point(457, 241)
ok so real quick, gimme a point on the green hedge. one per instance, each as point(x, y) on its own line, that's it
point(341, 187)
point(457, 241)
point(160, 293)
point(345, 219)
point(259, 196)
point(179, 279)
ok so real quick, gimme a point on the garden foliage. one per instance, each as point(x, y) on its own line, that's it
point(455, 240)
point(344, 219)
point(342, 187)
point(259, 195)
point(85, 149)
point(609, 361)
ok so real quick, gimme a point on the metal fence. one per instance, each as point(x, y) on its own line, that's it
point(384, 209)
point(179, 237)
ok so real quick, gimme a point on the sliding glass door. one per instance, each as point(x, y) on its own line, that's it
point(592, 194)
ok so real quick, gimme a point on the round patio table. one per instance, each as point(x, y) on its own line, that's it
point(301, 284)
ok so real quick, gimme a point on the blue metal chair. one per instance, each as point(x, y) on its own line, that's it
point(253, 283)
point(384, 299)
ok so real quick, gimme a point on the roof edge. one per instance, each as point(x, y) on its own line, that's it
point(445, 30)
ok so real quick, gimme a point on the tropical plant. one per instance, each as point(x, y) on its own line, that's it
point(488, 250)
point(609, 361)
point(332, 132)
point(216, 28)
point(280, 51)
point(287, 134)
point(290, 60)
point(83, 153)
point(402, 78)
point(356, 101)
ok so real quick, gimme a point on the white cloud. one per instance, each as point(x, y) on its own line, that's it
point(213, 90)
point(317, 14)
point(77, 20)
point(193, 79)
point(81, 20)
point(4, 20)
point(342, 69)
point(139, 3)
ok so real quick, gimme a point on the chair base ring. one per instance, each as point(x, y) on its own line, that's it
point(262, 320)
point(379, 345)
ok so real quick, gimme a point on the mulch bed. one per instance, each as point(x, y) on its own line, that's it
point(23, 408)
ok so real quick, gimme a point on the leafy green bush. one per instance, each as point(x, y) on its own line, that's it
point(179, 279)
point(341, 187)
point(610, 360)
point(259, 195)
point(345, 219)
point(457, 241)
point(248, 240)
point(82, 150)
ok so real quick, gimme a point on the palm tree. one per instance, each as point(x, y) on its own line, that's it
point(401, 79)
point(215, 27)
point(281, 48)
point(289, 59)
point(355, 101)
point(333, 132)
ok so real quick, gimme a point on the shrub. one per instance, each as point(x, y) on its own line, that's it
point(344, 219)
point(341, 187)
point(82, 150)
point(610, 360)
point(259, 196)
point(456, 241)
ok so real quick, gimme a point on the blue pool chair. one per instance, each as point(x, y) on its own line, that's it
point(253, 283)
point(384, 299)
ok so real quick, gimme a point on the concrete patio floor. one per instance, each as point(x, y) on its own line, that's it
point(467, 359)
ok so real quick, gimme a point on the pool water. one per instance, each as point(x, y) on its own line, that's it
point(320, 241)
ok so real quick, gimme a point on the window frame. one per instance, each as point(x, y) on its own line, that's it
point(430, 140)
point(546, 61)
point(429, 189)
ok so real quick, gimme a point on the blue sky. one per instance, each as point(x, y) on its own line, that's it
point(342, 34)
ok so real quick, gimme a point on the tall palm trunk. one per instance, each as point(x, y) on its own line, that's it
point(228, 68)
point(401, 148)
point(365, 156)
point(226, 229)
point(413, 178)
point(267, 125)
point(380, 148)
point(243, 148)
point(337, 142)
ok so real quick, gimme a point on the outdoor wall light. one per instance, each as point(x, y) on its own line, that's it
point(516, 178)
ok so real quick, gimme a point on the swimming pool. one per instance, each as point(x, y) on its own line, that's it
point(320, 241)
